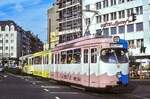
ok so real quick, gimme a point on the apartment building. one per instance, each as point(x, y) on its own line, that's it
point(70, 19)
point(16, 42)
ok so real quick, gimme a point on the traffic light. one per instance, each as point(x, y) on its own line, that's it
point(133, 16)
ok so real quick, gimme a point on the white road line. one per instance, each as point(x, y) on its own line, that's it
point(57, 97)
point(50, 86)
point(46, 90)
point(64, 93)
point(33, 83)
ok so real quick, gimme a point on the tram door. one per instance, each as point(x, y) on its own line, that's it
point(86, 66)
point(90, 67)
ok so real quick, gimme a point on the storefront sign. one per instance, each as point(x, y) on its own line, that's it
point(115, 23)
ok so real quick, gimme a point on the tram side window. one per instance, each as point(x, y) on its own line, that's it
point(93, 55)
point(76, 56)
point(38, 60)
point(69, 56)
point(64, 57)
point(86, 56)
point(52, 58)
point(56, 59)
point(46, 59)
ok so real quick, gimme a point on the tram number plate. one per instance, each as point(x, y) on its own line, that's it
point(116, 45)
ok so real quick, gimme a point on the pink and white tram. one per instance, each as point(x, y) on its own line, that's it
point(91, 61)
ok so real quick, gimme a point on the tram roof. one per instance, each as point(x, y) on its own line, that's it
point(86, 40)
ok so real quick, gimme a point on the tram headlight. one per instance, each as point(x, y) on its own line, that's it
point(116, 39)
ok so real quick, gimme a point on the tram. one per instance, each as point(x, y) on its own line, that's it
point(90, 61)
point(37, 64)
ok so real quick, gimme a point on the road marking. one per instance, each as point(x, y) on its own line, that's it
point(50, 86)
point(64, 93)
point(57, 97)
point(33, 83)
point(46, 90)
point(5, 76)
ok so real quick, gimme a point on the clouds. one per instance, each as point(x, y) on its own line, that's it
point(30, 14)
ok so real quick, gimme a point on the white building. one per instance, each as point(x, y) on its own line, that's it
point(9, 36)
point(115, 18)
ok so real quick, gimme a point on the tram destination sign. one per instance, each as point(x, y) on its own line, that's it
point(116, 45)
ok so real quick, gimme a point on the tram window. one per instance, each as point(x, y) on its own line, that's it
point(69, 56)
point(52, 58)
point(30, 61)
point(56, 59)
point(64, 57)
point(38, 60)
point(93, 55)
point(46, 59)
point(86, 56)
point(76, 56)
point(114, 56)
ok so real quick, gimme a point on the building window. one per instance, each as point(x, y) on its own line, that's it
point(87, 7)
point(12, 54)
point(93, 55)
point(88, 21)
point(113, 2)
point(12, 35)
point(121, 14)
point(98, 32)
point(106, 31)
point(98, 5)
point(1, 35)
point(86, 56)
point(106, 17)
point(139, 26)
point(6, 41)
point(130, 12)
point(139, 43)
point(6, 35)
point(12, 41)
point(1, 41)
point(139, 10)
point(1, 48)
point(98, 19)
point(12, 47)
point(130, 28)
point(121, 1)
point(113, 16)
point(121, 29)
point(113, 30)
point(131, 44)
point(105, 3)
point(6, 47)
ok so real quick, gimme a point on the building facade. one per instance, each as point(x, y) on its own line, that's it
point(129, 19)
point(53, 26)
point(16, 42)
point(70, 19)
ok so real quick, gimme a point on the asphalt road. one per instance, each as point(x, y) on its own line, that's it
point(26, 87)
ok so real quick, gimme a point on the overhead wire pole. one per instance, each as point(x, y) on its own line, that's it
point(92, 18)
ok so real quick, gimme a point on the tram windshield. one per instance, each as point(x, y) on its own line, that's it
point(114, 55)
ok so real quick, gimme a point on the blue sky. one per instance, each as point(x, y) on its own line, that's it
point(29, 14)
